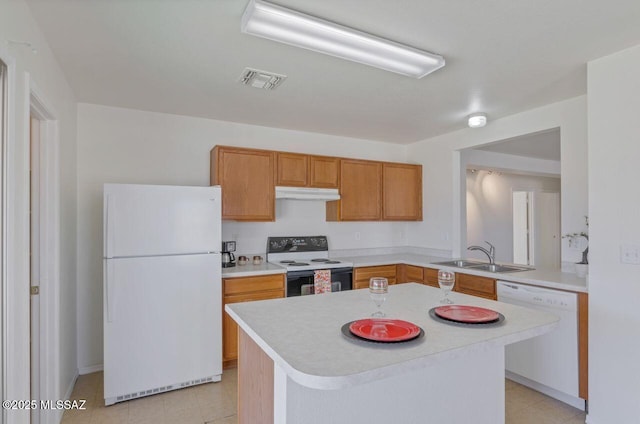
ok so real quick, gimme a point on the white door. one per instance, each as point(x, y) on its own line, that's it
point(144, 220)
point(520, 209)
point(547, 230)
point(34, 262)
point(162, 322)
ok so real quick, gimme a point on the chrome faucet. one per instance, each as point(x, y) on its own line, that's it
point(491, 253)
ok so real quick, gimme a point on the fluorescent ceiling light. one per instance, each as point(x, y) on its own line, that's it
point(287, 26)
point(477, 120)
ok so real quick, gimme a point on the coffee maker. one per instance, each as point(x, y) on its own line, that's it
point(228, 258)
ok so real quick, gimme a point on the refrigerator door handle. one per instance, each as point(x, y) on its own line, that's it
point(108, 231)
point(108, 285)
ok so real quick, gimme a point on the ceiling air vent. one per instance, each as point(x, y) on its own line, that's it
point(261, 79)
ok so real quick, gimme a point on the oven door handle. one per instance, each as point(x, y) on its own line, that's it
point(309, 273)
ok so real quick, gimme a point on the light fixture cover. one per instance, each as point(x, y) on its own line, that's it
point(288, 26)
point(477, 120)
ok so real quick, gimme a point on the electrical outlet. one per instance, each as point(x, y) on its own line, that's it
point(630, 254)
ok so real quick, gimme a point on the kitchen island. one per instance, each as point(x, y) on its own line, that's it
point(295, 365)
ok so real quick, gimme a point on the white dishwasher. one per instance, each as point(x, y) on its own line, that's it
point(547, 363)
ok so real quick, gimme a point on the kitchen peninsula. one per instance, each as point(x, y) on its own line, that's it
point(296, 366)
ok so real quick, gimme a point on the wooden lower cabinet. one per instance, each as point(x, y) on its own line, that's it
point(431, 277)
point(583, 345)
point(409, 274)
point(476, 286)
point(245, 289)
point(362, 275)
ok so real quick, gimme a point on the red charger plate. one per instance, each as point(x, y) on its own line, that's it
point(384, 330)
point(468, 314)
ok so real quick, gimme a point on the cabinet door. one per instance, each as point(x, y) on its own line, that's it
point(430, 276)
point(476, 286)
point(324, 172)
point(414, 274)
point(229, 326)
point(292, 170)
point(360, 191)
point(402, 192)
point(247, 180)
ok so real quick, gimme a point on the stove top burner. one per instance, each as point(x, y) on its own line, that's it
point(297, 264)
point(325, 261)
point(288, 261)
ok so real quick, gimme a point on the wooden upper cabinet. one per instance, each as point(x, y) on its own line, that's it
point(360, 192)
point(247, 180)
point(324, 172)
point(298, 170)
point(292, 169)
point(402, 192)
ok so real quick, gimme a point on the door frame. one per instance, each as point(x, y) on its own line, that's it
point(37, 106)
point(8, 360)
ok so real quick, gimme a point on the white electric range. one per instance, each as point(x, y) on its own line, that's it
point(302, 256)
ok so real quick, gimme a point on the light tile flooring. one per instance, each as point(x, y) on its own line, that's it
point(216, 403)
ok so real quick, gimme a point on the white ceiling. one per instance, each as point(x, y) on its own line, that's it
point(540, 145)
point(185, 56)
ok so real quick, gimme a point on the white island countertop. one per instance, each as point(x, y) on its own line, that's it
point(302, 335)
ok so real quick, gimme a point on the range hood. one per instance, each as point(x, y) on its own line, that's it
point(307, 193)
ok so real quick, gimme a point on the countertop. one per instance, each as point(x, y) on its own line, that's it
point(554, 279)
point(313, 352)
point(251, 270)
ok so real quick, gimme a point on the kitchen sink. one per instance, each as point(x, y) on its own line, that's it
point(498, 268)
point(460, 263)
point(482, 266)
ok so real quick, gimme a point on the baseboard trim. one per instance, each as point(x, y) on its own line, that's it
point(563, 397)
point(67, 396)
point(90, 369)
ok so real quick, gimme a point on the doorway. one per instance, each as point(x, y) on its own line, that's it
point(3, 236)
point(536, 228)
point(44, 257)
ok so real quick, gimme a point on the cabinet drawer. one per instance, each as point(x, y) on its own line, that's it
point(242, 285)
point(478, 286)
point(364, 284)
point(365, 273)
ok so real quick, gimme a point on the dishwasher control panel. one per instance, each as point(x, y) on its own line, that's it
point(536, 295)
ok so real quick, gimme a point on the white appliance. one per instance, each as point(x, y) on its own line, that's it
point(547, 363)
point(162, 289)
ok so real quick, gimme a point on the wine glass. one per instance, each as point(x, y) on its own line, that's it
point(446, 280)
point(378, 288)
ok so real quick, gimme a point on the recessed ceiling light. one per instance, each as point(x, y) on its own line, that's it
point(477, 120)
point(288, 26)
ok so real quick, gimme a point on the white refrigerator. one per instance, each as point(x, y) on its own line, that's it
point(162, 289)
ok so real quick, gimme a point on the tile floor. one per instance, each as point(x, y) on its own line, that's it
point(216, 403)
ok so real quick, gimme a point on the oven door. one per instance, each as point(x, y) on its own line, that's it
point(301, 282)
